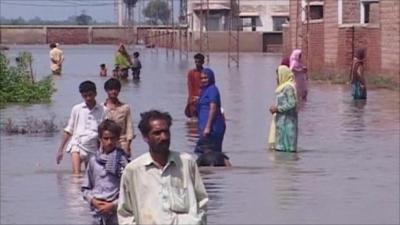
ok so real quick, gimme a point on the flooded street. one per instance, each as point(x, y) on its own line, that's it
point(346, 170)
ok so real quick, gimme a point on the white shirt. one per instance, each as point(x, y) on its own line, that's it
point(56, 55)
point(82, 125)
point(172, 195)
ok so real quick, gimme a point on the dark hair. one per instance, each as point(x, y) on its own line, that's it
point(136, 54)
point(102, 65)
point(112, 84)
point(111, 126)
point(147, 117)
point(53, 45)
point(199, 56)
point(360, 53)
point(87, 86)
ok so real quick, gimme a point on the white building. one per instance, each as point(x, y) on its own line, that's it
point(256, 15)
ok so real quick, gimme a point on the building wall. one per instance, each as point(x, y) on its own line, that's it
point(23, 35)
point(265, 9)
point(331, 37)
point(111, 35)
point(338, 41)
point(72, 35)
point(390, 38)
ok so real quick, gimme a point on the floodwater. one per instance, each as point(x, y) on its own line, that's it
point(346, 170)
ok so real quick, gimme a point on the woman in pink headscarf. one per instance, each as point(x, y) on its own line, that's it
point(300, 74)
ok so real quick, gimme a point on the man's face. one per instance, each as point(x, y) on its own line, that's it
point(199, 63)
point(159, 136)
point(89, 97)
point(108, 141)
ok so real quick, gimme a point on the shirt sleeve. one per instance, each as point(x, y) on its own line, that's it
point(200, 192)
point(214, 96)
point(71, 122)
point(87, 184)
point(129, 125)
point(125, 211)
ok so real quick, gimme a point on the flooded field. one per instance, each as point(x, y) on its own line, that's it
point(346, 170)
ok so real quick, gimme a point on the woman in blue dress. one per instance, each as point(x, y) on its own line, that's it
point(211, 121)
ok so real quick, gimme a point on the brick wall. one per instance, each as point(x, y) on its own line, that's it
point(71, 35)
point(390, 47)
point(287, 43)
point(12, 35)
point(331, 37)
point(314, 54)
point(112, 35)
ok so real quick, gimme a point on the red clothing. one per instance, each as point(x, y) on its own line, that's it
point(194, 88)
point(194, 83)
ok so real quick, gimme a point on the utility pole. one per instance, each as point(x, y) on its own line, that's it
point(120, 12)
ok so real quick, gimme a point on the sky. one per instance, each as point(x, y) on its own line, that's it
point(99, 10)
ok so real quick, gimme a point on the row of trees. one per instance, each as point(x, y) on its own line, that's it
point(157, 12)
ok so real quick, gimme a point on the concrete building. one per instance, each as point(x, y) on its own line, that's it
point(256, 15)
point(329, 32)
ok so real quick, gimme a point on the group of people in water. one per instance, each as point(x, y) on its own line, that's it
point(121, 189)
point(292, 88)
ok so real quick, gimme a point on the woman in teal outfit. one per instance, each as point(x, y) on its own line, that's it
point(285, 113)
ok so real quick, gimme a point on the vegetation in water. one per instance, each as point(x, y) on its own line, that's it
point(17, 83)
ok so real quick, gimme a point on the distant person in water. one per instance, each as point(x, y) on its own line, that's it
point(122, 62)
point(136, 66)
point(284, 128)
point(357, 78)
point(211, 120)
point(103, 70)
point(81, 130)
point(300, 74)
point(194, 86)
point(56, 59)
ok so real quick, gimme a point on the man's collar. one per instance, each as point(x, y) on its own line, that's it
point(96, 106)
point(148, 160)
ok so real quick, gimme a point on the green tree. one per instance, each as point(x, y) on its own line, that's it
point(157, 11)
point(83, 19)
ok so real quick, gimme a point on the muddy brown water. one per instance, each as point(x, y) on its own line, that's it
point(346, 170)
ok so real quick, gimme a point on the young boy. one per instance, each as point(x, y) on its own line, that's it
point(136, 67)
point(103, 70)
point(100, 186)
point(81, 130)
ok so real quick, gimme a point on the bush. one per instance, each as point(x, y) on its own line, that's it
point(17, 84)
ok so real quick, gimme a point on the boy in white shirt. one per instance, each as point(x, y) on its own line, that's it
point(81, 131)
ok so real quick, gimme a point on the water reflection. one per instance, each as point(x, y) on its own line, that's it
point(348, 156)
point(192, 133)
point(69, 188)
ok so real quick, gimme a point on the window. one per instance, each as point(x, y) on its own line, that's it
point(278, 21)
point(312, 10)
point(316, 12)
point(369, 11)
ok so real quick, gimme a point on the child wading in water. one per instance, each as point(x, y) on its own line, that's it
point(102, 179)
point(136, 67)
point(103, 70)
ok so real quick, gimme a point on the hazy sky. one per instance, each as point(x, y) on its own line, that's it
point(100, 10)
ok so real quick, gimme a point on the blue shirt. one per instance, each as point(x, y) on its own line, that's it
point(210, 95)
